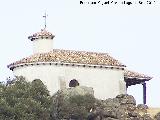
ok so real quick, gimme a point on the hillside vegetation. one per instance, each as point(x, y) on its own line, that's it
point(22, 100)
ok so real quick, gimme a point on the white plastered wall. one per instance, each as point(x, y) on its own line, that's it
point(42, 45)
point(107, 83)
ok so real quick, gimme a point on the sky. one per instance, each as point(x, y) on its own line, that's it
point(129, 33)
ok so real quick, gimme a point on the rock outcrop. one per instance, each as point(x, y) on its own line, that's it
point(78, 90)
point(78, 103)
point(157, 116)
point(123, 107)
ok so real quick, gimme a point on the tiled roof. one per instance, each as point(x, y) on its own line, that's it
point(79, 57)
point(71, 56)
point(44, 34)
point(135, 75)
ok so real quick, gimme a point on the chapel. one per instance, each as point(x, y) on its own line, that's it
point(60, 69)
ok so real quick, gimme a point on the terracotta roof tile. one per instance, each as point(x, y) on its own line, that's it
point(44, 34)
point(135, 75)
point(71, 56)
point(79, 57)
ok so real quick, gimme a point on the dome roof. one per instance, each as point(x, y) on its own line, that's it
point(44, 34)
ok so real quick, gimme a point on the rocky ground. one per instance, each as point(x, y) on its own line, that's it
point(154, 112)
point(122, 107)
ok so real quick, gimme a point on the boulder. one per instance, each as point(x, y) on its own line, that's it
point(123, 107)
point(126, 99)
point(147, 117)
point(112, 102)
point(142, 106)
point(78, 90)
point(157, 116)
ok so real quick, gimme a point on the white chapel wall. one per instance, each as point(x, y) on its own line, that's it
point(105, 82)
point(42, 45)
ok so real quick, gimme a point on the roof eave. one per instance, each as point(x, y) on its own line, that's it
point(139, 78)
point(12, 66)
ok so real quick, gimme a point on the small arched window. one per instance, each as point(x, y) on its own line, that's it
point(73, 83)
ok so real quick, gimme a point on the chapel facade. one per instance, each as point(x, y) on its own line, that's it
point(60, 69)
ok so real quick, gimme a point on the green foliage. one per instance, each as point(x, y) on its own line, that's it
point(23, 100)
point(86, 101)
point(75, 107)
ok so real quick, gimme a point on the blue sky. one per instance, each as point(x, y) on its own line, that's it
point(128, 33)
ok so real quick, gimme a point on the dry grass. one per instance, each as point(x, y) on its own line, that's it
point(153, 111)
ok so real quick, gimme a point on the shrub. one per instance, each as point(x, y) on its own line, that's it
point(75, 107)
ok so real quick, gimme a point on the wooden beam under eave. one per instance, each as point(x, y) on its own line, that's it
point(133, 81)
point(130, 82)
point(144, 93)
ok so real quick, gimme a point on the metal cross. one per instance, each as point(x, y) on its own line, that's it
point(45, 23)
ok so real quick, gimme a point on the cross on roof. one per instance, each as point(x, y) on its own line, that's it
point(45, 17)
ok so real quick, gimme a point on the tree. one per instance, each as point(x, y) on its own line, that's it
point(22, 100)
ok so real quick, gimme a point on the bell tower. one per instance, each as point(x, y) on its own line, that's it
point(43, 40)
